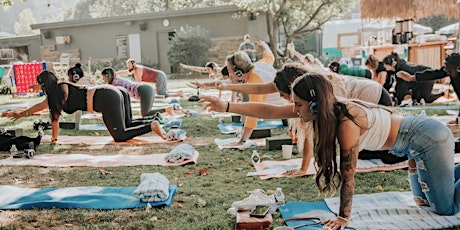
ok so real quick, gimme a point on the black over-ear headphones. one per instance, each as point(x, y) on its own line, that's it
point(75, 76)
point(311, 93)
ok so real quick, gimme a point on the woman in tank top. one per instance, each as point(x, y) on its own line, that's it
point(354, 125)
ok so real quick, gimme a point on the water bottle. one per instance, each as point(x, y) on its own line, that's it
point(279, 196)
point(255, 157)
point(13, 150)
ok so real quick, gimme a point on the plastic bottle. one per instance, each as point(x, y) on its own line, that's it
point(13, 150)
point(279, 196)
point(255, 157)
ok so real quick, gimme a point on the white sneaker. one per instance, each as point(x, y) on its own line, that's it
point(257, 197)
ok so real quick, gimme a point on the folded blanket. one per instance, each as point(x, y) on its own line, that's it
point(173, 123)
point(180, 153)
point(176, 135)
point(154, 187)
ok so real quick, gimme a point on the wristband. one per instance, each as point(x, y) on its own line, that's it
point(228, 107)
point(242, 140)
point(27, 113)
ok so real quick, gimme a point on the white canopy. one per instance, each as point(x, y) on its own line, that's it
point(450, 29)
point(387, 24)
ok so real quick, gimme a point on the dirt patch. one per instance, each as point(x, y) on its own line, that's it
point(7, 217)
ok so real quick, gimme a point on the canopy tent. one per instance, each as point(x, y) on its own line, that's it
point(386, 24)
point(450, 29)
point(408, 9)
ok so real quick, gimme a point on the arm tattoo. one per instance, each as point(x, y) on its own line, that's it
point(347, 169)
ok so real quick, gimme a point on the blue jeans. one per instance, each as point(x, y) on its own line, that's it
point(431, 145)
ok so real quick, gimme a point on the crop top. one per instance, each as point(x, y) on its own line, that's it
point(76, 99)
point(379, 125)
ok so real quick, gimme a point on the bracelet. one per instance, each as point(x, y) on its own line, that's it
point(27, 113)
point(242, 140)
point(228, 107)
point(55, 139)
point(342, 218)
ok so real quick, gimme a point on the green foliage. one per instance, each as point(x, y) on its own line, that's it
point(189, 45)
point(436, 22)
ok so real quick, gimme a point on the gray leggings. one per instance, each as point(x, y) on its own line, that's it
point(147, 94)
point(162, 84)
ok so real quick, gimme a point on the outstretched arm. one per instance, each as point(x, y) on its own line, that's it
point(298, 55)
point(30, 111)
point(249, 88)
point(194, 68)
point(252, 109)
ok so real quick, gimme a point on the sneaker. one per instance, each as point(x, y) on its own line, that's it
point(257, 197)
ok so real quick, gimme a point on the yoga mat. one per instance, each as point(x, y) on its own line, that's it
point(91, 197)
point(229, 128)
point(274, 169)
point(297, 209)
point(73, 160)
point(96, 127)
point(104, 140)
point(392, 210)
point(253, 143)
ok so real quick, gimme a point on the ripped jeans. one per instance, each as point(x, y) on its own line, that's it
point(431, 145)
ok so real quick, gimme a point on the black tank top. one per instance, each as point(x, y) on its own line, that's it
point(76, 99)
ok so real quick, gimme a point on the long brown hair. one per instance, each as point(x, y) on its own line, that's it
point(54, 93)
point(109, 73)
point(328, 112)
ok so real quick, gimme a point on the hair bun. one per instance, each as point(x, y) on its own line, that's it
point(78, 65)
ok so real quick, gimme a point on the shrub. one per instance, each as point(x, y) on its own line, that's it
point(190, 46)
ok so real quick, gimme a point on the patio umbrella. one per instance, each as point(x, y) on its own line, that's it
point(450, 29)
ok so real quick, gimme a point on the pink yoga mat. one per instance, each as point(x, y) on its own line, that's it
point(274, 169)
point(103, 140)
point(80, 160)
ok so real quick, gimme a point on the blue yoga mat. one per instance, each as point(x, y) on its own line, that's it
point(92, 197)
point(229, 128)
point(92, 127)
point(297, 209)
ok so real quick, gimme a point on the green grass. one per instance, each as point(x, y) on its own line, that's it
point(201, 202)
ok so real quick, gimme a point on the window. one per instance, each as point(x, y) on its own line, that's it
point(6, 54)
point(121, 44)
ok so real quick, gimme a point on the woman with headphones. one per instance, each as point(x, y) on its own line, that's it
point(420, 90)
point(356, 125)
point(105, 99)
point(138, 90)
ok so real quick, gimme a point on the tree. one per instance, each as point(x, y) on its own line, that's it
point(294, 18)
point(26, 18)
point(190, 46)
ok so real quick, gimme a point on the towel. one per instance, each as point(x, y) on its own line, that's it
point(176, 135)
point(173, 123)
point(180, 153)
point(154, 187)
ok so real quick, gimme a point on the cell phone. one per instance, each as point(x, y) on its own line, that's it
point(259, 211)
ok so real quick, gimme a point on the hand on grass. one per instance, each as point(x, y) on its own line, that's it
point(15, 115)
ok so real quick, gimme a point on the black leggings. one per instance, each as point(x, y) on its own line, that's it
point(385, 98)
point(115, 106)
point(420, 89)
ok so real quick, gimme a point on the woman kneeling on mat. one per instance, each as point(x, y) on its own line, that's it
point(356, 125)
point(106, 99)
point(138, 90)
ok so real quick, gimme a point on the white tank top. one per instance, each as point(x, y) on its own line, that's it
point(379, 124)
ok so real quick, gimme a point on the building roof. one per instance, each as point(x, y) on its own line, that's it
point(135, 17)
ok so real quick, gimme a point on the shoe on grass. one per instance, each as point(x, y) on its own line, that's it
point(257, 197)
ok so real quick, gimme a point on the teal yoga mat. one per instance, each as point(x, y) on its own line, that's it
point(229, 128)
point(91, 197)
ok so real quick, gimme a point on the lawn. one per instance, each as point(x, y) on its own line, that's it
point(201, 201)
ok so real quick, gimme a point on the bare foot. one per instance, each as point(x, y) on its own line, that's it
point(170, 110)
point(234, 144)
point(155, 126)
